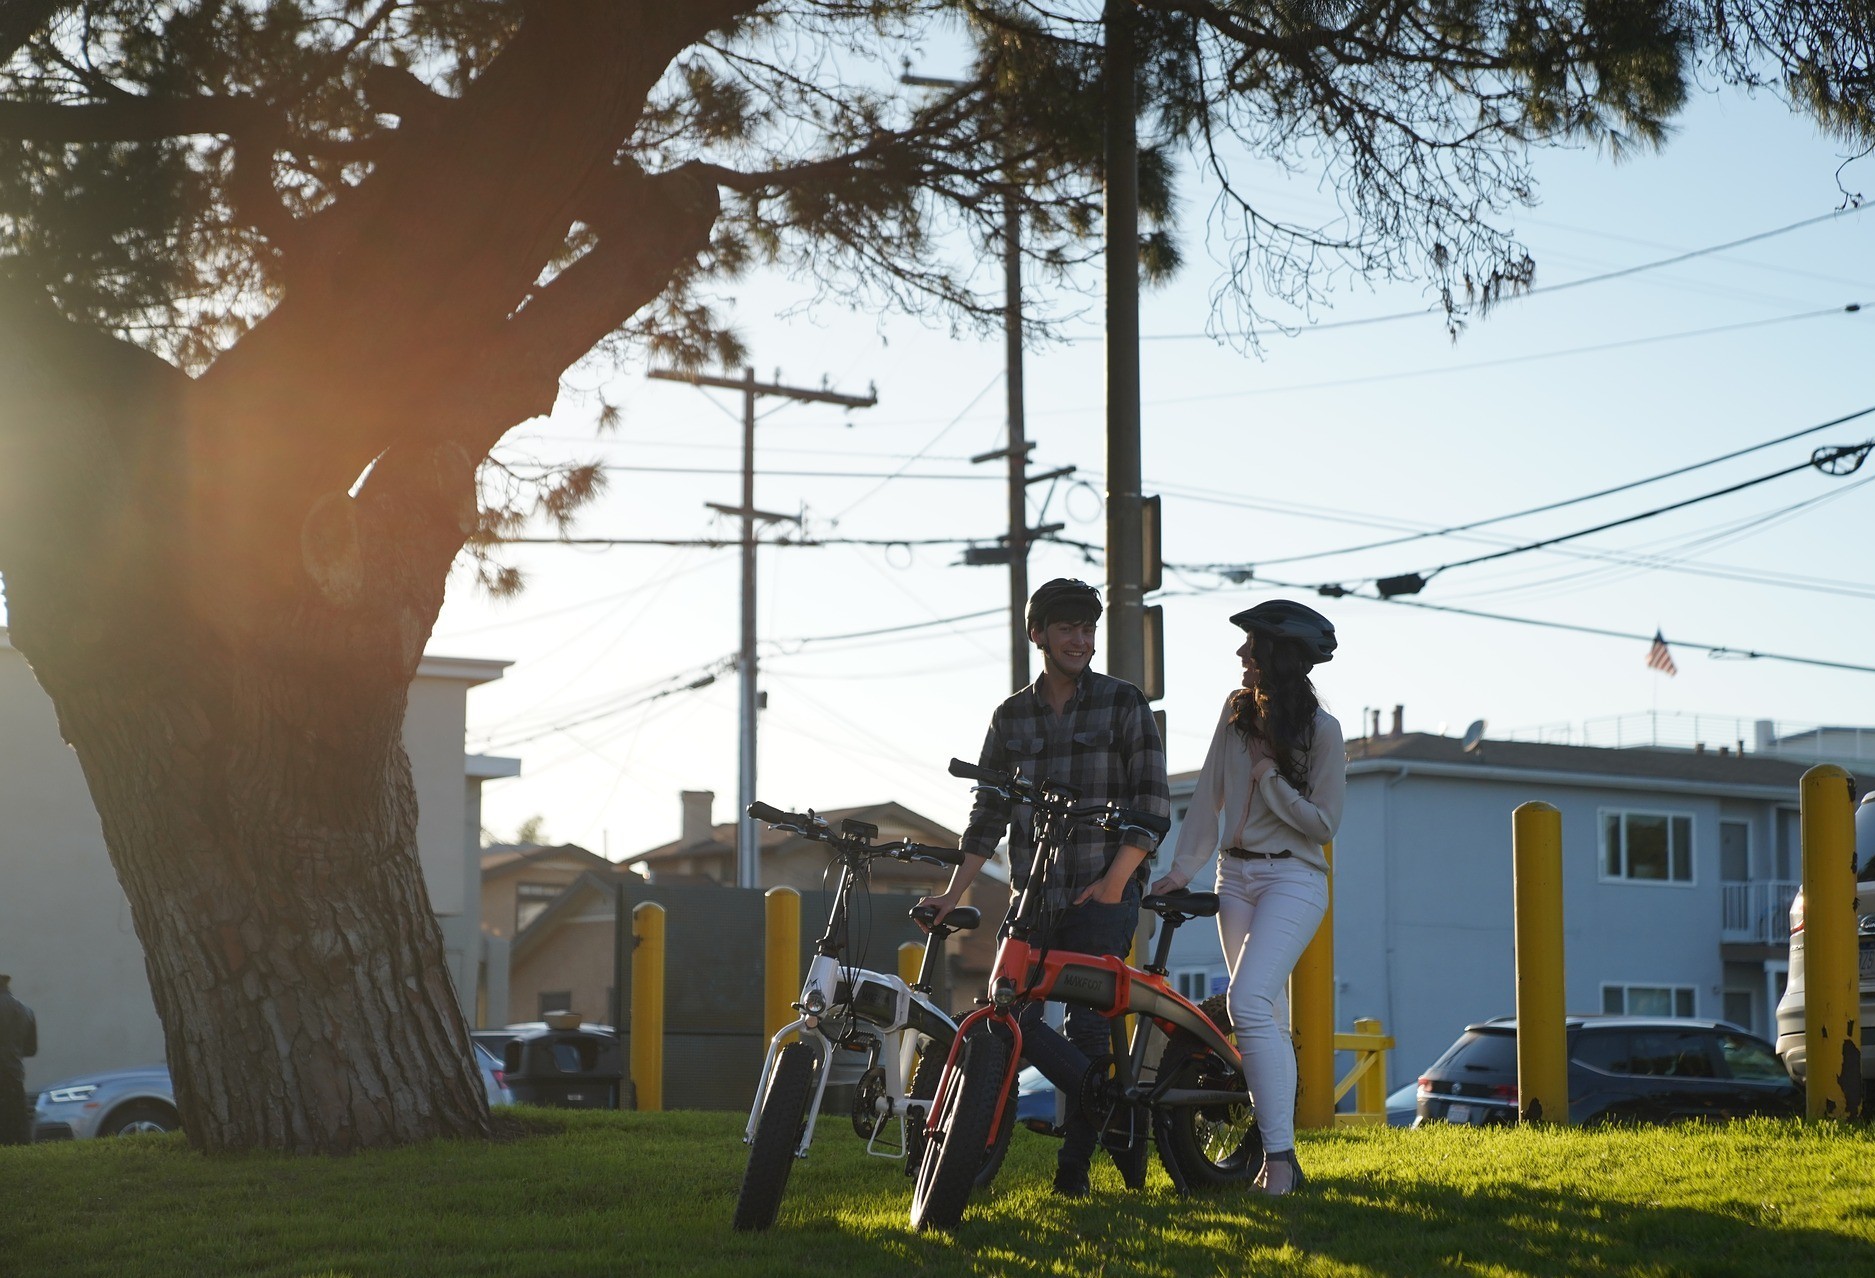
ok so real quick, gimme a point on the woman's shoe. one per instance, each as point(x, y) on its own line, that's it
point(1281, 1174)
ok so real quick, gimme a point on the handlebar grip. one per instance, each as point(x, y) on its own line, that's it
point(930, 852)
point(775, 816)
point(971, 772)
point(1147, 821)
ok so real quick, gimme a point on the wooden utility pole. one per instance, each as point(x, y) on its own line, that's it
point(1126, 618)
point(748, 868)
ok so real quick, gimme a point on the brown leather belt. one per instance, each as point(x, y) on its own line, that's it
point(1245, 854)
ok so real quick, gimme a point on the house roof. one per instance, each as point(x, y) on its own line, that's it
point(590, 887)
point(722, 841)
point(1679, 769)
point(499, 860)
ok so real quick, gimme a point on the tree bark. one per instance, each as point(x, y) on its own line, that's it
point(261, 817)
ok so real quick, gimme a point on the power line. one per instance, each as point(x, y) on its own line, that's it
point(1604, 277)
point(613, 468)
point(948, 427)
point(1816, 462)
point(1572, 501)
point(1713, 649)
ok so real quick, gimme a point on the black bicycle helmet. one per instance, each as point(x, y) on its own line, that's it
point(1063, 599)
point(1287, 619)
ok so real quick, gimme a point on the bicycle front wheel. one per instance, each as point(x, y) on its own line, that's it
point(778, 1130)
point(954, 1154)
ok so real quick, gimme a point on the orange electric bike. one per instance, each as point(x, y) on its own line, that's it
point(1177, 1079)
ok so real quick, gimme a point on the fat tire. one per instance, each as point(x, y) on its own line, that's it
point(924, 1084)
point(778, 1129)
point(954, 1158)
point(1213, 1150)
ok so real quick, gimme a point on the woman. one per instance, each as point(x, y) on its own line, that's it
point(1268, 797)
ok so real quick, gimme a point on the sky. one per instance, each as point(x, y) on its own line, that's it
point(1332, 437)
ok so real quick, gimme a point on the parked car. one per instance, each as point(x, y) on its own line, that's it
point(1633, 1069)
point(1790, 1037)
point(125, 1102)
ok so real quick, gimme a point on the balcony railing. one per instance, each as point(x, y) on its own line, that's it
point(1757, 913)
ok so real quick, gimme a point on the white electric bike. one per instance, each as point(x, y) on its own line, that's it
point(859, 1028)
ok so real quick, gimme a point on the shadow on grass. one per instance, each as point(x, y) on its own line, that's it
point(1358, 1223)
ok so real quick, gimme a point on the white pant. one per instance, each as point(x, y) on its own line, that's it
point(1267, 914)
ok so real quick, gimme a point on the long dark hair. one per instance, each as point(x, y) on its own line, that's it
point(1280, 711)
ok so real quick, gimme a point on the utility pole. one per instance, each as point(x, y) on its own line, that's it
point(748, 864)
point(1126, 620)
point(1018, 448)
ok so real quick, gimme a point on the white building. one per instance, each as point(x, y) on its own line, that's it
point(65, 932)
point(1678, 866)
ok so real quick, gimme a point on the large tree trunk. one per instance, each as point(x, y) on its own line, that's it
point(263, 822)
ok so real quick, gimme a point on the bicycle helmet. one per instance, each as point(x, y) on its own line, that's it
point(1063, 599)
point(1287, 619)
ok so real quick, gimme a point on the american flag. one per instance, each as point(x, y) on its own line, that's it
point(1658, 658)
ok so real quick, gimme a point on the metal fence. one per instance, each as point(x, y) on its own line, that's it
point(713, 1039)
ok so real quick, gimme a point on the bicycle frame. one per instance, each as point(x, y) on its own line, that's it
point(856, 1019)
point(1029, 972)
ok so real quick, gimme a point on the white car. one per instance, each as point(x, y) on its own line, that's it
point(124, 1102)
point(1790, 1038)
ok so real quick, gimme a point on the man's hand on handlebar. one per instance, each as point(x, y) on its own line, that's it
point(943, 903)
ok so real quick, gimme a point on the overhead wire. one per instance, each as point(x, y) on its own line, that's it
point(1540, 290)
point(1570, 501)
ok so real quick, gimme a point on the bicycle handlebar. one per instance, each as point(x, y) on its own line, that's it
point(971, 772)
point(813, 827)
point(775, 816)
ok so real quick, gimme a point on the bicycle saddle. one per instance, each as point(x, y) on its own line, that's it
point(961, 919)
point(1190, 905)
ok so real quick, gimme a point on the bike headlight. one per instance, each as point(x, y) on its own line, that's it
point(70, 1095)
point(815, 1003)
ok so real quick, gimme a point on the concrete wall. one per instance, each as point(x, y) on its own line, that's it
point(65, 931)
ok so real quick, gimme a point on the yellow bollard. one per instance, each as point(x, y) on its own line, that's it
point(1831, 988)
point(1312, 1017)
point(1542, 1036)
point(781, 981)
point(648, 1005)
point(1370, 1092)
point(910, 959)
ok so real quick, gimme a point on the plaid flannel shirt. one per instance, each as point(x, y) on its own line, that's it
point(1104, 743)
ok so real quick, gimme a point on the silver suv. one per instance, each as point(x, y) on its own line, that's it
point(1790, 1042)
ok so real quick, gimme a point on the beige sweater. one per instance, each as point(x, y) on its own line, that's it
point(1228, 812)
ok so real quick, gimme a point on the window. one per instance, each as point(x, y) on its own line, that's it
point(1647, 847)
point(553, 1001)
point(1648, 1000)
point(1193, 982)
point(1749, 1058)
point(1671, 1054)
point(531, 901)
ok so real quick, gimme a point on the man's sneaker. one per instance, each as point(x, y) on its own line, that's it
point(1071, 1181)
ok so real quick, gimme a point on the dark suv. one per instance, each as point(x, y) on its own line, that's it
point(1628, 1069)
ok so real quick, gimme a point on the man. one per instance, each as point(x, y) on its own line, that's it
point(19, 1037)
point(1078, 728)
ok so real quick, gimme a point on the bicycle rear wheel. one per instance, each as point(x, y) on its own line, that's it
point(1215, 1146)
point(954, 1154)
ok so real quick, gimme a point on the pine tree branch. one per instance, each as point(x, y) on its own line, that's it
point(21, 20)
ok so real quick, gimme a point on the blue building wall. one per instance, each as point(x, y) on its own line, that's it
point(1423, 890)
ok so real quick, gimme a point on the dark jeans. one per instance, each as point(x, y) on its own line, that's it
point(1092, 928)
point(15, 1124)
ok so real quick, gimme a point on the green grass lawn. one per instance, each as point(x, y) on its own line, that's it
point(608, 1194)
